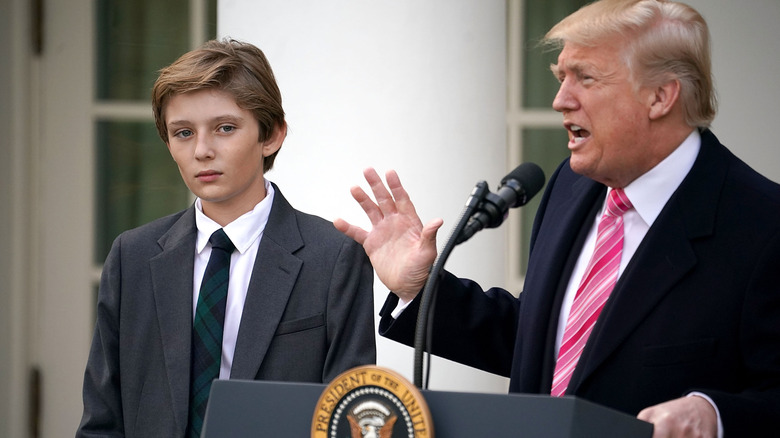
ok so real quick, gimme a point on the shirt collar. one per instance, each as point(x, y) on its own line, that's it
point(243, 231)
point(650, 192)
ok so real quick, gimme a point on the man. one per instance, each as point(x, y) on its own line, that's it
point(653, 284)
point(299, 295)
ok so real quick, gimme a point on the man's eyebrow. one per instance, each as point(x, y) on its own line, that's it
point(557, 69)
point(576, 68)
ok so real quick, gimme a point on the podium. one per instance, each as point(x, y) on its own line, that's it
point(256, 408)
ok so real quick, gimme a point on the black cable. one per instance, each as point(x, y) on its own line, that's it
point(423, 331)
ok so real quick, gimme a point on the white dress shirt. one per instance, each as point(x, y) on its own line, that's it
point(648, 194)
point(245, 233)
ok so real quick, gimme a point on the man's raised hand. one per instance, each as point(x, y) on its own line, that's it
point(401, 249)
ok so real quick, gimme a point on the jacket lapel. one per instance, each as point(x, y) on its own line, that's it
point(662, 259)
point(273, 278)
point(172, 281)
point(550, 254)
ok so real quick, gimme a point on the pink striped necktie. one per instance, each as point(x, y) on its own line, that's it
point(595, 287)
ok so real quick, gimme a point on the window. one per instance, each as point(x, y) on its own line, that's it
point(534, 130)
point(136, 179)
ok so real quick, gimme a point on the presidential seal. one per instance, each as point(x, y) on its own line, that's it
point(371, 402)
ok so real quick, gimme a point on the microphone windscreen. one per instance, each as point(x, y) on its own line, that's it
point(531, 179)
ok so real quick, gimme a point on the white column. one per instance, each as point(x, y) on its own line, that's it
point(416, 86)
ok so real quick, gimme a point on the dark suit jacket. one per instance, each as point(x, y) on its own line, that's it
point(308, 317)
point(697, 308)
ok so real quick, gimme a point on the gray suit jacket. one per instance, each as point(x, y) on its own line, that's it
point(308, 316)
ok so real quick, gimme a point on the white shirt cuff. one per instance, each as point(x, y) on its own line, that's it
point(714, 406)
point(399, 308)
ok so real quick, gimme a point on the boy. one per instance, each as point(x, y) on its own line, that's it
point(297, 304)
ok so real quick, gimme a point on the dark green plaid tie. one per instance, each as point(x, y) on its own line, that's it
point(207, 328)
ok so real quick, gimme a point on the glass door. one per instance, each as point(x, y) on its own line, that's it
point(99, 169)
point(534, 130)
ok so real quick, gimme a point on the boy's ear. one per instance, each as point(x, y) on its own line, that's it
point(275, 141)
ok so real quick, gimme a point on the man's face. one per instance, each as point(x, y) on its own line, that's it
point(215, 144)
point(606, 117)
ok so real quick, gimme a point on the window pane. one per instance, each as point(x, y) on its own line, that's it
point(211, 19)
point(547, 148)
point(137, 180)
point(539, 85)
point(134, 40)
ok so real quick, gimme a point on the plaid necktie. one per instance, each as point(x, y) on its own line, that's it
point(596, 285)
point(207, 328)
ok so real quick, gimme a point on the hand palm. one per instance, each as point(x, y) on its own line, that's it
point(401, 249)
point(399, 253)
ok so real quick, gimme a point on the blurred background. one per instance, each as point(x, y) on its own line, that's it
point(446, 92)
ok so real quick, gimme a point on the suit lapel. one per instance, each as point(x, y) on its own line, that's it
point(172, 281)
point(662, 259)
point(651, 275)
point(574, 197)
point(551, 254)
point(273, 278)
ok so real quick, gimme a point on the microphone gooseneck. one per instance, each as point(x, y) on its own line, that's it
point(483, 210)
point(517, 188)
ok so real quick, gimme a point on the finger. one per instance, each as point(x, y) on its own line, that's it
point(659, 426)
point(402, 200)
point(383, 198)
point(372, 210)
point(356, 233)
point(645, 414)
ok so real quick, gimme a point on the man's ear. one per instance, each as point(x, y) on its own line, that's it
point(664, 98)
point(275, 141)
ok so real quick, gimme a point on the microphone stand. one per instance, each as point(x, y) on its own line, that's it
point(423, 331)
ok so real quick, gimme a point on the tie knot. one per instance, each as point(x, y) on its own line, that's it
point(220, 240)
point(617, 203)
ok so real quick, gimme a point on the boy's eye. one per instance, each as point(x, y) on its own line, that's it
point(227, 128)
point(184, 133)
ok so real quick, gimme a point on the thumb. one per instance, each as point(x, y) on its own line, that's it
point(428, 233)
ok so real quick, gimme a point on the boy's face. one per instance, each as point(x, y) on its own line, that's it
point(215, 144)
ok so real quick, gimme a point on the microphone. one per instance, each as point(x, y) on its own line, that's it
point(517, 188)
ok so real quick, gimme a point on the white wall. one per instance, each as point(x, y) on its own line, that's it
point(419, 86)
point(746, 68)
point(416, 86)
